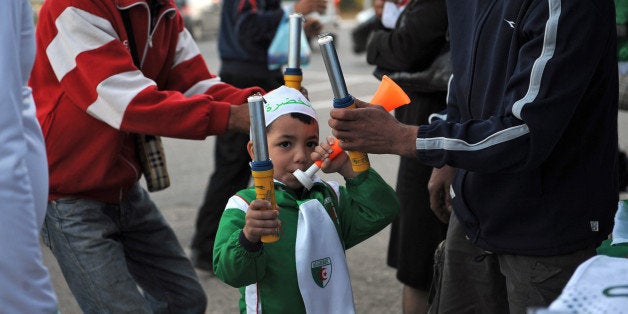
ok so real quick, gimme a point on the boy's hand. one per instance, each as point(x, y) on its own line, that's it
point(260, 221)
point(340, 163)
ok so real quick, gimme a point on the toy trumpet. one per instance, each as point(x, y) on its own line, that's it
point(293, 76)
point(342, 99)
point(261, 166)
point(389, 95)
point(306, 177)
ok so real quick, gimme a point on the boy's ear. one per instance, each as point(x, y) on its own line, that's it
point(249, 148)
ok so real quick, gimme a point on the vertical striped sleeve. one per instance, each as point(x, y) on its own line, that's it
point(549, 46)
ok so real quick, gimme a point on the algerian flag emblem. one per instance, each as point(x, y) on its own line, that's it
point(321, 271)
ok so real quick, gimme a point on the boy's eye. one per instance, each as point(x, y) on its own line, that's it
point(312, 144)
point(285, 144)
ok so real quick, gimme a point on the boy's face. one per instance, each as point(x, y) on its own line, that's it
point(290, 143)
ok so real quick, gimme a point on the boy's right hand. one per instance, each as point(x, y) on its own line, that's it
point(260, 221)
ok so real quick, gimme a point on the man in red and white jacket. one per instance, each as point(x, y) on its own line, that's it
point(104, 230)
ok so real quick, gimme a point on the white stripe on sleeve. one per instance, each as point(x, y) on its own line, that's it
point(77, 31)
point(549, 46)
point(237, 202)
point(114, 95)
point(460, 145)
point(186, 48)
point(202, 86)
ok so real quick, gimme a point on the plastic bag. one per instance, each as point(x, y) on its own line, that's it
point(279, 47)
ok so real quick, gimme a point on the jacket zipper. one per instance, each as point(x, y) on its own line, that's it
point(151, 31)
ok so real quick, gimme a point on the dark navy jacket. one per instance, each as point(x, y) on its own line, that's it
point(532, 123)
point(247, 28)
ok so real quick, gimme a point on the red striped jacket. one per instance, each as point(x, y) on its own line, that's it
point(90, 96)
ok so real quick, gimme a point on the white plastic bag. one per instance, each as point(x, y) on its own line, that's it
point(279, 47)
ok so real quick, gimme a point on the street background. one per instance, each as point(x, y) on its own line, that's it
point(190, 164)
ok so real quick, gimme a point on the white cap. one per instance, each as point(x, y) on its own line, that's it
point(285, 100)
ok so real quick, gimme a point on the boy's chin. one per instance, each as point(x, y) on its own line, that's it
point(293, 183)
point(296, 185)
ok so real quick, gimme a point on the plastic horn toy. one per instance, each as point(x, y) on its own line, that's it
point(293, 76)
point(306, 177)
point(261, 166)
point(342, 99)
point(389, 95)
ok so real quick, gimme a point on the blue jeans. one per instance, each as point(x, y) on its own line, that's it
point(121, 258)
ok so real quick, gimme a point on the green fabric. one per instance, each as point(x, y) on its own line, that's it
point(621, 18)
point(621, 11)
point(622, 49)
point(364, 207)
point(617, 250)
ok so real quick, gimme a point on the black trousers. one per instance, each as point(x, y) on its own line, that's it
point(231, 167)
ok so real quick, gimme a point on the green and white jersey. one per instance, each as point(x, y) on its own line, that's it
point(361, 209)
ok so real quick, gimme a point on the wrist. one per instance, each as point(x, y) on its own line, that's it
point(407, 146)
point(248, 245)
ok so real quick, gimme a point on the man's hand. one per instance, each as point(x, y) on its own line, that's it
point(239, 119)
point(260, 221)
point(439, 186)
point(312, 27)
point(371, 129)
point(378, 6)
point(306, 7)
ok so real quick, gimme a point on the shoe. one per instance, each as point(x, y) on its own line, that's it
point(201, 261)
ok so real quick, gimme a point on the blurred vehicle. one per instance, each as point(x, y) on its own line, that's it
point(202, 17)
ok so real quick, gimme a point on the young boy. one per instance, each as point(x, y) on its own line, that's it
point(306, 269)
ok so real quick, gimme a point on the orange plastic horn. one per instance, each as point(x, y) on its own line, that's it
point(389, 95)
